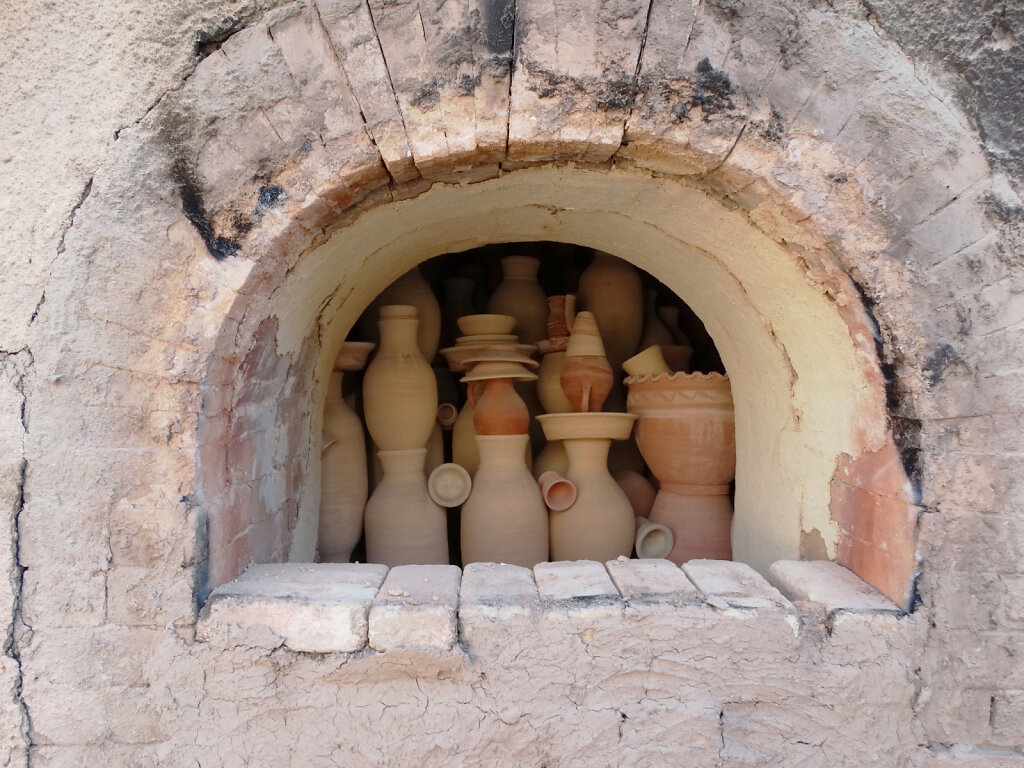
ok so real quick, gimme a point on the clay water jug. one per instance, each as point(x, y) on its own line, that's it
point(519, 294)
point(600, 524)
point(403, 525)
point(504, 520)
point(612, 289)
point(655, 333)
point(399, 389)
point(413, 289)
point(343, 479)
point(686, 432)
point(586, 374)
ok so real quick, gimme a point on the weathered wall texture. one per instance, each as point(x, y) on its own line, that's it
point(164, 168)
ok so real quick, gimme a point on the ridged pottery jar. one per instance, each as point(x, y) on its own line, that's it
point(611, 288)
point(413, 289)
point(399, 389)
point(403, 525)
point(519, 294)
point(504, 520)
point(343, 480)
point(600, 524)
point(686, 432)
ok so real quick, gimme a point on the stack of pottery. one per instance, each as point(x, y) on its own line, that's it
point(600, 524)
point(562, 313)
point(343, 485)
point(686, 433)
point(403, 525)
point(482, 333)
point(504, 519)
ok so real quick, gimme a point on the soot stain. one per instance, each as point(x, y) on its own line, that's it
point(194, 208)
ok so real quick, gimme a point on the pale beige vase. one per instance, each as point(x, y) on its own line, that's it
point(403, 525)
point(413, 289)
point(504, 520)
point(552, 458)
point(464, 450)
point(600, 524)
point(686, 432)
point(343, 483)
point(520, 295)
point(611, 288)
point(399, 389)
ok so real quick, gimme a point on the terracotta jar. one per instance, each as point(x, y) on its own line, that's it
point(412, 289)
point(343, 478)
point(520, 295)
point(399, 389)
point(655, 332)
point(504, 520)
point(686, 432)
point(403, 525)
point(586, 374)
point(638, 490)
point(611, 288)
point(600, 524)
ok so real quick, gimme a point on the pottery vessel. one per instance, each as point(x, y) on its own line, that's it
point(464, 450)
point(586, 373)
point(670, 316)
point(447, 414)
point(519, 294)
point(655, 332)
point(559, 494)
point(649, 362)
point(686, 432)
point(677, 357)
point(499, 410)
point(343, 477)
point(551, 458)
point(599, 525)
point(611, 288)
point(504, 520)
point(561, 314)
point(638, 490)
point(653, 540)
point(412, 289)
point(449, 485)
point(403, 525)
point(435, 449)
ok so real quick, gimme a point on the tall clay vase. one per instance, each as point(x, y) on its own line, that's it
point(504, 520)
point(399, 389)
point(686, 433)
point(600, 524)
point(611, 288)
point(413, 289)
point(403, 525)
point(343, 484)
point(520, 295)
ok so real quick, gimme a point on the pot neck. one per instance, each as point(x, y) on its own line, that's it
point(519, 267)
point(588, 453)
point(403, 463)
point(502, 450)
point(398, 334)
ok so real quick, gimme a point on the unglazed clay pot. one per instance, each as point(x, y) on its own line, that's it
point(655, 333)
point(670, 316)
point(449, 485)
point(586, 374)
point(464, 450)
point(504, 520)
point(435, 449)
point(638, 490)
point(520, 295)
point(552, 458)
point(561, 314)
point(403, 525)
point(399, 389)
point(499, 410)
point(653, 540)
point(549, 377)
point(686, 432)
point(611, 288)
point(677, 357)
point(599, 525)
point(412, 289)
point(649, 362)
point(559, 494)
point(343, 479)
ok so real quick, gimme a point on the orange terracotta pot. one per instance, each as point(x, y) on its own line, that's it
point(500, 410)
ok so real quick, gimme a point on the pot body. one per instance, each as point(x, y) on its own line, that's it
point(403, 525)
point(520, 295)
point(413, 289)
point(399, 389)
point(504, 520)
point(549, 384)
point(343, 483)
point(599, 526)
point(611, 288)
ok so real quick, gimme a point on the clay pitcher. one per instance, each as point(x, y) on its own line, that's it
point(399, 389)
point(413, 289)
point(586, 374)
point(519, 294)
point(611, 288)
point(403, 524)
point(504, 520)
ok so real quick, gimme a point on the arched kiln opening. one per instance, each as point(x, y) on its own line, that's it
point(817, 473)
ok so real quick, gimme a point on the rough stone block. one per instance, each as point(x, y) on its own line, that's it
point(651, 581)
point(90, 657)
point(733, 585)
point(61, 597)
point(1008, 717)
point(319, 608)
point(831, 585)
point(416, 608)
point(138, 596)
point(580, 589)
point(496, 600)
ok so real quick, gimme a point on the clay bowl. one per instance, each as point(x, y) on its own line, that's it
point(352, 355)
point(449, 485)
point(486, 325)
point(498, 370)
point(598, 426)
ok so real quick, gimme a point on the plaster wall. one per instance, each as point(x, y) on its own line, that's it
point(165, 170)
